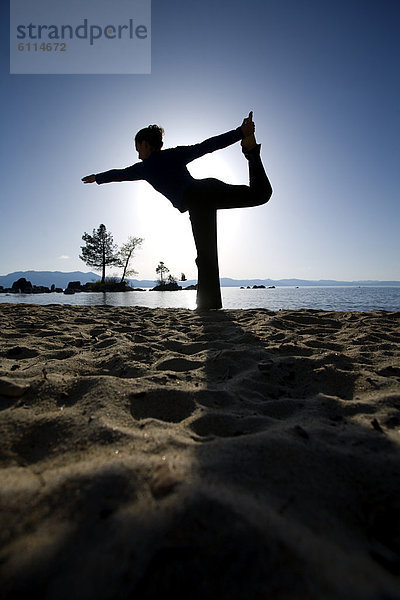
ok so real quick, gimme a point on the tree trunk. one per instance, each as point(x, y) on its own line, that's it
point(126, 266)
point(103, 276)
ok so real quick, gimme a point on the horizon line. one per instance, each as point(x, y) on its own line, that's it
point(221, 277)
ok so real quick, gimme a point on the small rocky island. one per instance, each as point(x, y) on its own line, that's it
point(258, 287)
point(171, 286)
point(22, 286)
point(98, 286)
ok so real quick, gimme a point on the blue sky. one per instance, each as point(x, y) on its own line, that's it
point(322, 78)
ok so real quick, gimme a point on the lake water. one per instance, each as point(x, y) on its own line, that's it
point(319, 298)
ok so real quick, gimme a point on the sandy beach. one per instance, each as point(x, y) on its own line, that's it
point(236, 454)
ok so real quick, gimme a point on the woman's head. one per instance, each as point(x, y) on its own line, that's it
point(149, 139)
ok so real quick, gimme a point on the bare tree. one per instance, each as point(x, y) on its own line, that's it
point(126, 253)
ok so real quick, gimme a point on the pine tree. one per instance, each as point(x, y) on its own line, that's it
point(100, 250)
point(162, 270)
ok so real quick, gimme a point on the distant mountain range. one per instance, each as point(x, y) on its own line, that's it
point(61, 280)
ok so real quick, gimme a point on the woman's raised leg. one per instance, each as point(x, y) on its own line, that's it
point(258, 192)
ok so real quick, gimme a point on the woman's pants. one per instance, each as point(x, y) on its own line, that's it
point(203, 198)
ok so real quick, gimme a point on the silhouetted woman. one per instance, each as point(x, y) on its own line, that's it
point(167, 172)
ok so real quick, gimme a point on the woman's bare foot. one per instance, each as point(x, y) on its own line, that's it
point(249, 141)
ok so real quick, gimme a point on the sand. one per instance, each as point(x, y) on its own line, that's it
point(236, 454)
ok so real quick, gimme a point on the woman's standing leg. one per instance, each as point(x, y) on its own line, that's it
point(202, 200)
point(204, 226)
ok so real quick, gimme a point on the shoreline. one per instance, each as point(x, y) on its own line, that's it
point(285, 298)
point(233, 454)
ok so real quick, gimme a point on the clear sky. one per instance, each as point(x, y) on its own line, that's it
point(322, 78)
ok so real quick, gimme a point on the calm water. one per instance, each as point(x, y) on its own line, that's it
point(320, 298)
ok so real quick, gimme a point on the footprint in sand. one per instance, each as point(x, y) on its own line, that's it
point(317, 344)
point(41, 437)
point(178, 364)
point(165, 405)
point(105, 343)
point(280, 410)
point(184, 347)
point(21, 352)
point(83, 321)
point(389, 371)
point(11, 389)
point(392, 421)
point(226, 425)
point(61, 354)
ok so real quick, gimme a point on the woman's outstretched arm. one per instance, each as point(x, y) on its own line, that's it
point(132, 173)
point(212, 144)
point(220, 141)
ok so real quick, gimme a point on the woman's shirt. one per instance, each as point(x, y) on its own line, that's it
point(166, 170)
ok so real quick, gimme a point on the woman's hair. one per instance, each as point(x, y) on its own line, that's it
point(153, 134)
